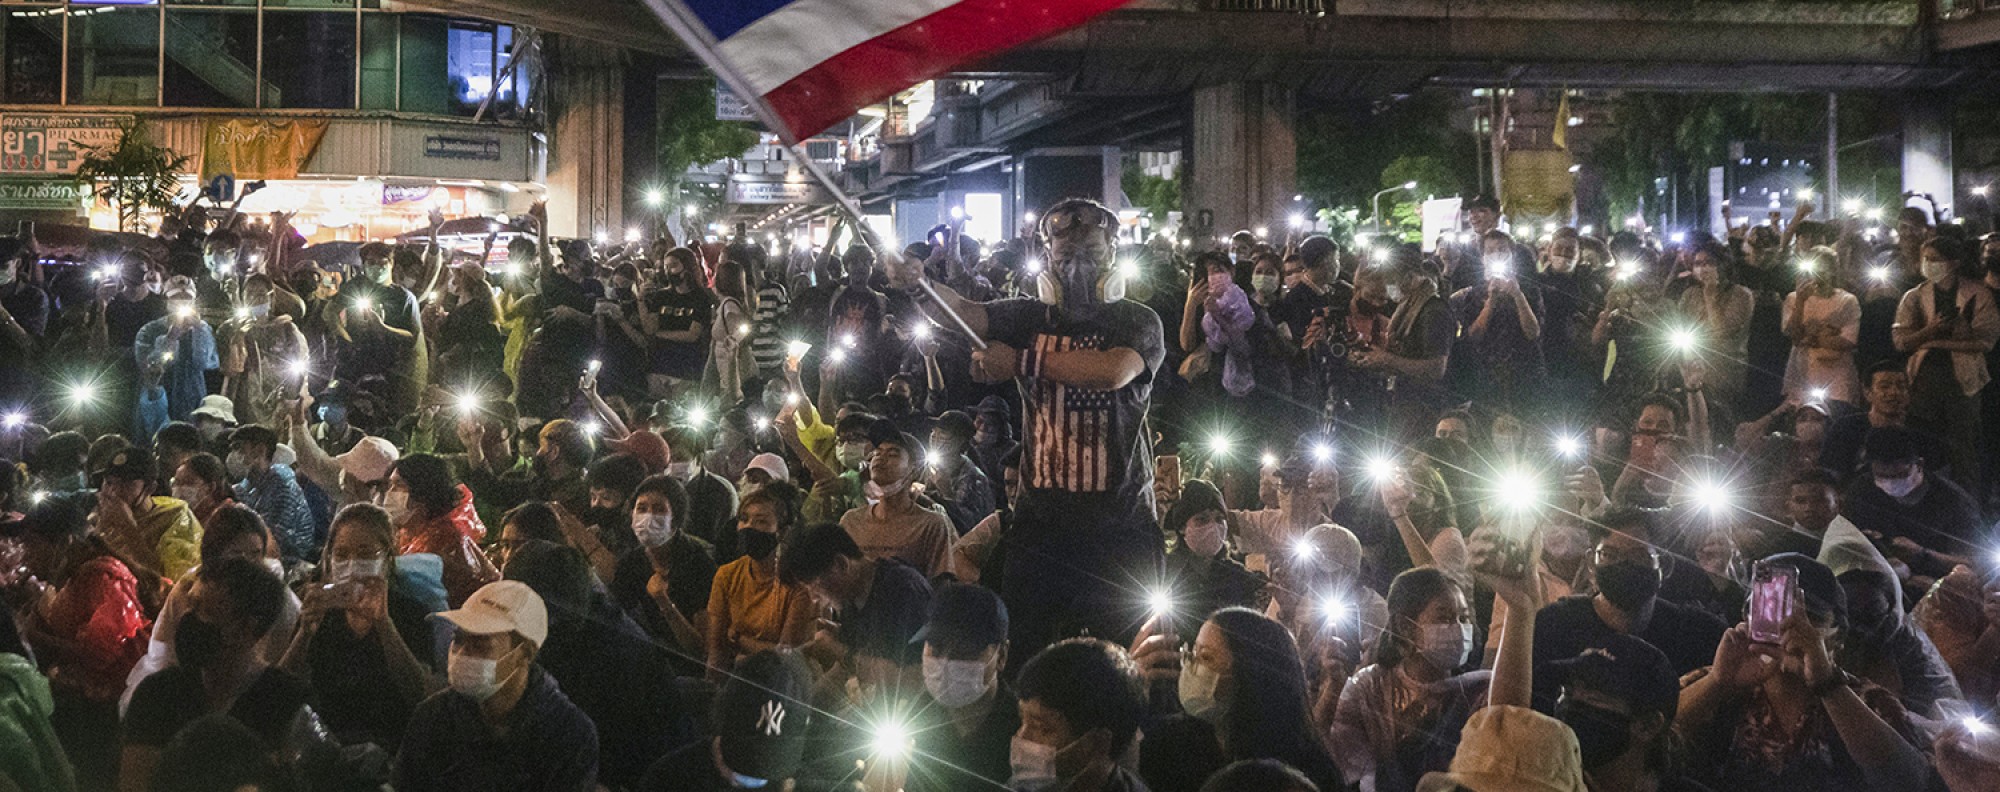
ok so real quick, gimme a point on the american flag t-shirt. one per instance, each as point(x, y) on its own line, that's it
point(1072, 426)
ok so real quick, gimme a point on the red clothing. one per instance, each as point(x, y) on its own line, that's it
point(454, 538)
point(99, 609)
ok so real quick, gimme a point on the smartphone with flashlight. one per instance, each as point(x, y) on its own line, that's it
point(341, 595)
point(1773, 588)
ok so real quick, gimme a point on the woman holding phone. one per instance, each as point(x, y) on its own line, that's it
point(1779, 714)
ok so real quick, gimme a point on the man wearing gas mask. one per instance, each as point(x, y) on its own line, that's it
point(1085, 543)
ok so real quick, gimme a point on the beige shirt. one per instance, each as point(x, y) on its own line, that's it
point(919, 536)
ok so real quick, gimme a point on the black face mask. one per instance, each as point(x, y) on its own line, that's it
point(607, 517)
point(899, 404)
point(1627, 585)
point(197, 643)
point(1601, 734)
point(757, 544)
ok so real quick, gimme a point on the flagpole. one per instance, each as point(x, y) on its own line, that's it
point(696, 36)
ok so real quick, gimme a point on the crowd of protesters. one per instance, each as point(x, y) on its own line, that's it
point(1493, 512)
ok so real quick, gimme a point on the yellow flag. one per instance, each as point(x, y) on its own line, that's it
point(1560, 136)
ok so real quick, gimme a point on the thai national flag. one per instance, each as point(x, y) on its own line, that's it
point(813, 63)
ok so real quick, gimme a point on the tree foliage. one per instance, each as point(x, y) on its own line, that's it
point(1678, 137)
point(1346, 153)
point(690, 135)
point(1156, 195)
point(1404, 208)
point(133, 175)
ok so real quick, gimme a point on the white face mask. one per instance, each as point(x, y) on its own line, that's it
point(1446, 646)
point(1198, 691)
point(956, 683)
point(260, 310)
point(1204, 538)
point(1033, 763)
point(653, 530)
point(852, 455)
point(681, 471)
point(876, 492)
point(362, 568)
point(277, 567)
point(397, 504)
point(476, 678)
point(187, 493)
point(1901, 487)
point(1934, 271)
point(238, 466)
point(1395, 292)
point(1264, 284)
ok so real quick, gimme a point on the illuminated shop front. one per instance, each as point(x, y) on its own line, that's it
point(360, 120)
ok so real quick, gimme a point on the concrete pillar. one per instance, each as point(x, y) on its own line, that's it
point(1242, 155)
point(1927, 148)
point(586, 139)
point(1047, 175)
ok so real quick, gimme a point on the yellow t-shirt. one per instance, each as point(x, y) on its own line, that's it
point(757, 606)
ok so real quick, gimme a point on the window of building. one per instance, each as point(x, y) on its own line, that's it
point(309, 59)
point(114, 56)
point(211, 59)
point(33, 59)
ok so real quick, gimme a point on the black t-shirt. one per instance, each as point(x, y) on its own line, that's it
point(1941, 517)
point(690, 575)
point(947, 761)
point(1295, 309)
point(371, 351)
point(1566, 627)
point(897, 607)
point(1078, 440)
point(624, 682)
point(678, 311)
point(123, 318)
point(173, 697)
point(358, 704)
point(558, 290)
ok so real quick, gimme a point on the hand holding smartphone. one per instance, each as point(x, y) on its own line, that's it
point(1773, 592)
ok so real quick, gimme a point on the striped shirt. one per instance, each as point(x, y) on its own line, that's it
point(767, 347)
point(1076, 439)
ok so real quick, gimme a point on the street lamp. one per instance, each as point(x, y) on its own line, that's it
point(1375, 202)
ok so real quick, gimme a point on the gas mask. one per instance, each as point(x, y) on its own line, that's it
point(1082, 276)
point(1078, 282)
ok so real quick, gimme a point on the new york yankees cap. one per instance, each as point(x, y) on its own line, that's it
point(762, 714)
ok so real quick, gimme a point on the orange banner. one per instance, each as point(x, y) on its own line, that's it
point(248, 149)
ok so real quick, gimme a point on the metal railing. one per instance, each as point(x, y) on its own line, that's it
point(1276, 6)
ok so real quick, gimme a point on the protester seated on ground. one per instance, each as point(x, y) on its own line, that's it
point(758, 734)
point(664, 581)
point(234, 532)
point(749, 608)
point(608, 668)
point(1400, 716)
point(1242, 696)
point(1930, 524)
point(1852, 734)
point(1081, 707)
point(892, 524)
point(365, 639)
point(217, 667)
point(503, 723)
point(882, 603)
point(1880, 645)
point(433, 514)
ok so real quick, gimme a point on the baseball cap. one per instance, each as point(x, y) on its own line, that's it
point(964, 616)
point(507, 606)
point(1511, 749)
point(369, 460)
point(762, 715)
point(1626, 667)
point(218, 407)
point(884, 430)
point(772, 464)
point(130, 464)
